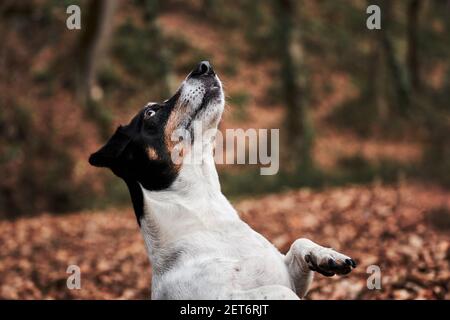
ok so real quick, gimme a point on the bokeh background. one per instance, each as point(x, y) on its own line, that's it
point(364, 120)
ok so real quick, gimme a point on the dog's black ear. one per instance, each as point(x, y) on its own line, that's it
point(108, 154)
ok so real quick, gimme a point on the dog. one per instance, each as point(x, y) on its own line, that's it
point(197, 244)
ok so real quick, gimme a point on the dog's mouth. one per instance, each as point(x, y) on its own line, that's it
point(202, 95)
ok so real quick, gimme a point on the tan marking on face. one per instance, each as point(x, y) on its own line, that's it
point(152, 154)
point(173, 123)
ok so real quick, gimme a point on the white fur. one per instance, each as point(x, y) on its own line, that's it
point(199, 247)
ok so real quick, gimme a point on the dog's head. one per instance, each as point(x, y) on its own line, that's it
point(142, 150)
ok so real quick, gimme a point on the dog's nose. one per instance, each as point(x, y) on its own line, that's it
point(203, 68)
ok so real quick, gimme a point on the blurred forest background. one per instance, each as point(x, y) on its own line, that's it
point(364, 113)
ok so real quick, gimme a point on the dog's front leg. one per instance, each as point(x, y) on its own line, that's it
point(305, 256)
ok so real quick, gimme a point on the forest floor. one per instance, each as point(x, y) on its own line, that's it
point(404, 230)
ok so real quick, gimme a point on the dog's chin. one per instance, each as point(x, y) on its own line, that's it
point(211, 113)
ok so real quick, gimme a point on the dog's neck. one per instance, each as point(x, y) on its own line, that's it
point(193, 202)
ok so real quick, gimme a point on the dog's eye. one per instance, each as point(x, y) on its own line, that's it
point(148, 113)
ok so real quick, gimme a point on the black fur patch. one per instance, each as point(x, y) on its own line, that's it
point(126, 155)
point(137, 198)
point(127, 152)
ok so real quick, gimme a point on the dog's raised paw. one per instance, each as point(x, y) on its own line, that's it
point(329, 262)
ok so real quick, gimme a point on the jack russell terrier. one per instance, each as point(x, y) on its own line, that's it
point(197, 244)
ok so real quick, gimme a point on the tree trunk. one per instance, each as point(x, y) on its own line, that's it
point(293, 78)
point(412, 58)
point(94, 38)
point(397, 71)
point(165, 72)
point(377, 80)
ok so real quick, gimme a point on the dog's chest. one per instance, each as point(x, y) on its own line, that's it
point(229, 257)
